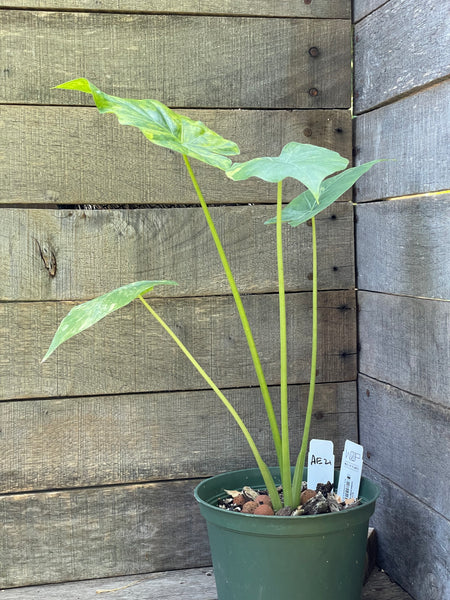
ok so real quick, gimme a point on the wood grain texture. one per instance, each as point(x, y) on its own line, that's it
point(416, 458)
point(403, 246)
point(112, 451)
point(381, 587)
point(362, 8)
point(98, 250)
point(128, 352)
point(412, 51)
point(179, 59)
point(413, 541)
point(187, 584)
point(405, 342)
point(81, 442)
point(339, 9)
point(415, 133)
point(67, 155)
point(76, 534)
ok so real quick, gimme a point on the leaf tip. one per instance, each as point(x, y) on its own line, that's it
point(48, 353)
point(81, 84)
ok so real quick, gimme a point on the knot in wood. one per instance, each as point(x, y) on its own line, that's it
point(48, 257)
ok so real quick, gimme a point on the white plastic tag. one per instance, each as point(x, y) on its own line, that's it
point(351, 468)
point(320, 463)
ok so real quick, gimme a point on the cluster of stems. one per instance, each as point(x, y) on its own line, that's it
point(291, 486)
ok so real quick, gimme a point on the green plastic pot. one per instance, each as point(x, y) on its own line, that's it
point(256, 557)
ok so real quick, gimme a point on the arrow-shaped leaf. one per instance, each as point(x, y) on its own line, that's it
point(162, 126)
point(84, 315)
point(305, 206)
point(307, 163)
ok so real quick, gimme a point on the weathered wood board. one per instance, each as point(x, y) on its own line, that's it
point(408, 459)
point(80, 254)
point(68, 155)
point(405, 342)
point(106, 440)
point(409, 253)
point(329, 9)
point(102, 445)
point(181, 60)
point(412, 50)
point(129, 352)
point(339, 9)
point(414, 132)
point(381, 587)
point(362, 8)
point(413, 541)
point(87, 533)
point(188, 584)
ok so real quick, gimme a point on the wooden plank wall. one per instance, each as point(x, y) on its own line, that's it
point(101, 447)
point(403, 274)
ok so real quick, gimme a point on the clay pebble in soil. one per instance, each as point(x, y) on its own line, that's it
point(312, 502)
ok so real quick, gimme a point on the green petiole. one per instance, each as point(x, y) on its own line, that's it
point(268, 479)
point(242, 314)
point(285, 466)
point(298, 473)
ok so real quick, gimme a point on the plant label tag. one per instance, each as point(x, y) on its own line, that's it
point(351, 468)
point(320, 463)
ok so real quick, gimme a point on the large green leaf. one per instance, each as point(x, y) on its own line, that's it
point(84, 315)
point(307, 163)
point(305, 206)
point(162, 126)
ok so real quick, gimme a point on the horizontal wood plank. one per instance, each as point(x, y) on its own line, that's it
point(414, 132)
point(129, 352)
point(81, 442)
point(100, 532)
point(381, 587)
point(413, 541)
point(362, 8)
point(67, 155)
point(403, 246)
point(179, 59)
point(338, 9)
point(411, 52)
point(404, 342)
point(48, 255)
point(186, 584)
point(416, 459)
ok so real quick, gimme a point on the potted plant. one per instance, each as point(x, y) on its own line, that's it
point(320, 556)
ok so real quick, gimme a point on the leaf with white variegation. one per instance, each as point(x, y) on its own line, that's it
point(87, 314)
point(307, 163)
point(304, 207)
point(162, 126)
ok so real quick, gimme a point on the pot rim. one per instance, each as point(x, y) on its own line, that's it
point(212, 512)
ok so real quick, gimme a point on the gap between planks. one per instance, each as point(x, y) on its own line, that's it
point(192, 584)
point(189, 584)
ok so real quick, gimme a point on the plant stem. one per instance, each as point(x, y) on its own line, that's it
point(298, 474)
point(268, 479)
point(286, 464)
point(245, 324)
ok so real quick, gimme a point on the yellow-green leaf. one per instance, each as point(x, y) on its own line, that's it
point(307, 163)
point(162, 126)
point(85, 315)
point(304, 207)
